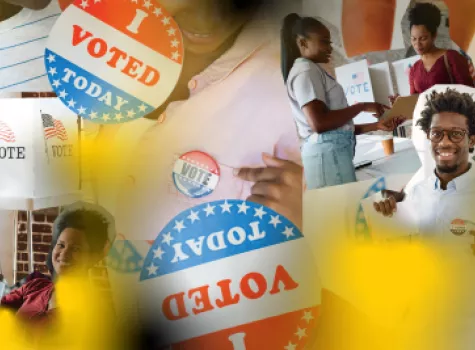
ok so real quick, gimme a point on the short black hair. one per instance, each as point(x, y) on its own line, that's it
point(449, 101)
point(93, 223)
point(425, 14)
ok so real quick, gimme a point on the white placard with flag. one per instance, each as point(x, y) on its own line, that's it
point(401, 72)
point(356, 82)
point(39, 150)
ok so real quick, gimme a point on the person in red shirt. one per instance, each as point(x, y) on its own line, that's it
point(81, 237)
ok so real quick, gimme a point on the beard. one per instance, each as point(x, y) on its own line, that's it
point(447, 169)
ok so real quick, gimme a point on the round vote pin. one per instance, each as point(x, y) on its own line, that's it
point(458, 227)
point(113, 61)
point(196, 174)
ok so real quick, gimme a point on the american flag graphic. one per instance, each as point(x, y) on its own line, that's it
point(6, 134)
point(358, 78)
point(53, 128)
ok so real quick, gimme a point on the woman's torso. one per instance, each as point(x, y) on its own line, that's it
point(333, 94)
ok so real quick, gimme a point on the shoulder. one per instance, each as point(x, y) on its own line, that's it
point(455, 55)
point(39, 282)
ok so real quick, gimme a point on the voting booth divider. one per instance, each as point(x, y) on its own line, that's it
point(39, 162)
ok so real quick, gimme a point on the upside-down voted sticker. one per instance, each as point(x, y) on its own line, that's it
point(113, 61)
point(196, 174)
point(231, 275)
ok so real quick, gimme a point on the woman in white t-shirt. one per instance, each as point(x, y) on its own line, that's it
point(321, 112)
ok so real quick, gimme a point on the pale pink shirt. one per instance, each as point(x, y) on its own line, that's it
point(237, 110)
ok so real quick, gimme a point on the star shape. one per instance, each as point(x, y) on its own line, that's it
point(105, 116)
point(142, 108)
point(147, 4)
point(157, 12)
point(171, 31)
point(288, 232)
point(81, 110)
point(152, 269)
point(118, 116)
point(56, 83)
point(300, 333)
point(193, 216)
point(93, 115)
point(71, 103)
point(175, 43)
point(290, 346)
point(209, 210)
point(158, 253)
point(275, 220)
point(260, 212)
point(51, 58)
point(131, 113)
point(63, 94)
point(84, 4)
point(175, 55)
point(52, 71)
point(179, 226)
point(166, 21)
point(307, 316)
point(226, 207)
point(243, 208)
point(167, 238)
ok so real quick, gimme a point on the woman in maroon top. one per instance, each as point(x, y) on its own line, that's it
point(436, 66)
point(80, 240)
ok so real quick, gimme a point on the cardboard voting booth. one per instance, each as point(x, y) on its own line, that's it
point(382, 82)
point(401, 72)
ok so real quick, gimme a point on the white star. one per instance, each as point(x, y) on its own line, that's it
point(147, 4)
point(158, 11)
point(84, 4)
point(51, 58)
point(209, 210)
point(56, 83)
point(179, 226)
point(226, 207)
point(158, 253)
point(175, 55)
point(193, 216)
point(243, 208)
point(105, 116)
point(167, 238)
point(171, 31)
point(166, 21)
point(71, 103)
point(300, 333)
point(288, 232)
point(93, 115)
point(275, 220)
point(81, 110)
point(63, 94)
point(260, 212)
point(142, 108)
point(131, 113)
point(307, 316)
point(52, 71)
point(152, 269)
point(175, 43)
point(290, 346)
point(118, 116)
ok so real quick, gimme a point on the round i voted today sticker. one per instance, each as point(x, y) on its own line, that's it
point(113, 61)
point(458, 227)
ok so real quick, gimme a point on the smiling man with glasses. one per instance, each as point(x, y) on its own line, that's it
point(448, 195)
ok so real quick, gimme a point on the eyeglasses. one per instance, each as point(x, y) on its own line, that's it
point(455, 135)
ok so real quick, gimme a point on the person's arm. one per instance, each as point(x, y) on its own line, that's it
point(382, 125)
point(14, 299)
point(30, 4)
point(460, 68)
point(411, 81)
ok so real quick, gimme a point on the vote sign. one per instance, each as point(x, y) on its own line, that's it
point(230, 273)
point(113, 61)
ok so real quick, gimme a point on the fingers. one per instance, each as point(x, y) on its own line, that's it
point(277, 170)
point(386, 207)
point(268, 190)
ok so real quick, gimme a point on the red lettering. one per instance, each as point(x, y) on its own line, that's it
point(78, 37)
point(180, 303)
point(95, 50)
point(150, 71)
point(130, 67)
point(116, 55)
point(203, 299)
point(227, 300)
point(260, 282)
point(281, 275)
